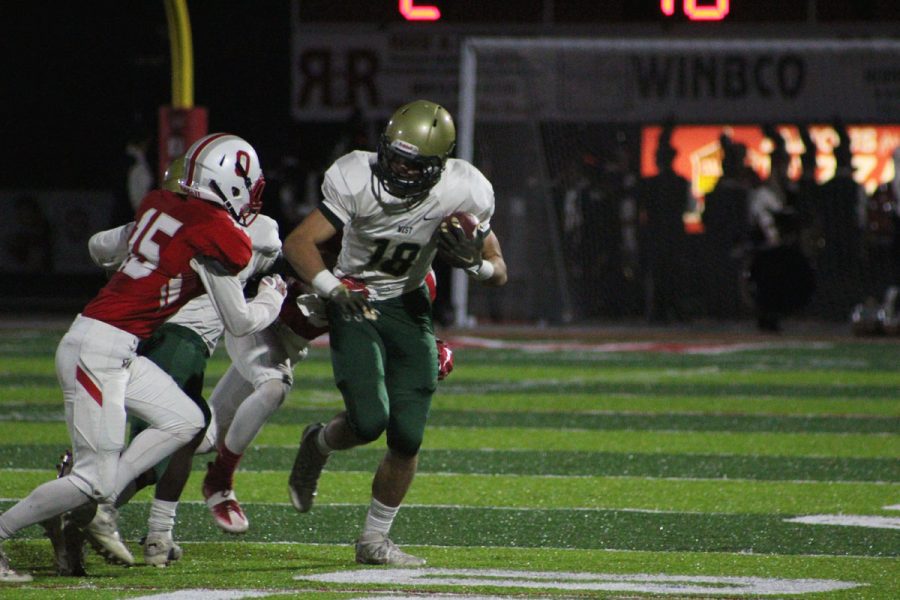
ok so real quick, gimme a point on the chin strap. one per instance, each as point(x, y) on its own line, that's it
point(253, 208)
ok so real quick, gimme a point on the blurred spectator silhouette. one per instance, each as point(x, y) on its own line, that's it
point(139, 178)
point(588, 192)
point(663, 199)
point(781, 279)
point(29, 246)
point(572, 188)
point(726, 232)
point(768, 197)
point(895, 192)
point(604, 241)
point(839, 239)
point(614, 211)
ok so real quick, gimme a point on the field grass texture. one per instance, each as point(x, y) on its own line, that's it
point(598, 470)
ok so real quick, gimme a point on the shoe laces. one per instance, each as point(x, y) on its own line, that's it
point(228, 507)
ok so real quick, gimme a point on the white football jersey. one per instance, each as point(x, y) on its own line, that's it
point(392, 252)
point(199, 314)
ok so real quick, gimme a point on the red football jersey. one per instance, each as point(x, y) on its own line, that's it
point(156, 279)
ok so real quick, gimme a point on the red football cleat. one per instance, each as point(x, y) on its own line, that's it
point(226, 512)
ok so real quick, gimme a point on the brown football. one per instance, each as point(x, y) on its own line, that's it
point(466, 221)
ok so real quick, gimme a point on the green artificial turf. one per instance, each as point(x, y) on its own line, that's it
point(595, 462)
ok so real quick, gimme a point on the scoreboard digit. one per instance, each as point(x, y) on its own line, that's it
point(411, 12)
point(695, 10)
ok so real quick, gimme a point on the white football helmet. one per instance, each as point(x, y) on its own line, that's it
point(224, 169)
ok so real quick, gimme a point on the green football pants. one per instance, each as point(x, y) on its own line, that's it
point(181, 353)
point(386, 369)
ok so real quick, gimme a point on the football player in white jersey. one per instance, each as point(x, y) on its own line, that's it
point(389, 206)
point(255, 385)
point(250, 391)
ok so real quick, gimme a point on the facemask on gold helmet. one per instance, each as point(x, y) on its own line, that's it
point(412, 153)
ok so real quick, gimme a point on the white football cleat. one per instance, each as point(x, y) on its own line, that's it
point(378, 549)
point(103, 535)
point(8, 575)
point(227, 513)
point(160, 549)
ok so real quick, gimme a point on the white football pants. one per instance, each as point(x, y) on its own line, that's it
point(102, 377)
point(253, 387)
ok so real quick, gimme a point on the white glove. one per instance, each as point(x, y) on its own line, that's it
point(276, 283)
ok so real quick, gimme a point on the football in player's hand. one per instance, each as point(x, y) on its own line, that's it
point(462, 220)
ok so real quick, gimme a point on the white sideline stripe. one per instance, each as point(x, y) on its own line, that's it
point(849, 521)
point(209, 594)
point(578, 581)
point(203, 594)
point(414, 595)
point(892, 507)
point(663, 347)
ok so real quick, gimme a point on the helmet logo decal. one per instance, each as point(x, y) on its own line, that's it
point(242, 164)
point(405, 148)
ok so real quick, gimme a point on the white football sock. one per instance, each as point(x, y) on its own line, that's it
point(379, 518)
point(162, 516)
point(321, 444)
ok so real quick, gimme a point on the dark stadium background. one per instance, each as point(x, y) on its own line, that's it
point(82, 79)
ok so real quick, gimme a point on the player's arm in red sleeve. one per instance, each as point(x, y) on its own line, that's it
point(229, 246)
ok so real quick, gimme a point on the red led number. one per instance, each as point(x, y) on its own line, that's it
point(697, 11)
point(411, 12)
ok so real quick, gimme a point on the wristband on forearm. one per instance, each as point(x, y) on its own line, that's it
point(325, 283)
point(482, 272)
